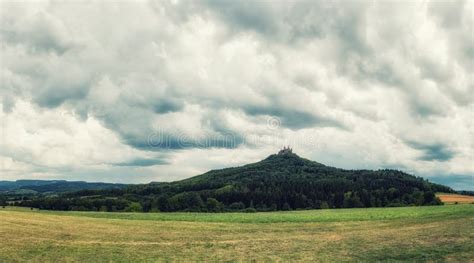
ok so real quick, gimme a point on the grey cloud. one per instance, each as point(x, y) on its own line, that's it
point(447, 12)
point(161, 140)
point(294, 21)
point(295, 119)
point(52, 97)
point(135, 127)
point(167, 105)
point(457, 20)
point(142, 162)
point(155, 104)
point(246, 15)
point(8, 103)
point(433, 152)
point(346, 25)
point(42, 33)
point(60, 83)
point(287, 116)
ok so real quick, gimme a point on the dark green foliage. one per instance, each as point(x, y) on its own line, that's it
point(438, 188)
point(213, 205)
point(186, 201)
point(237, 206)
point(280, 182)
point(471, 193)
point(133, 207)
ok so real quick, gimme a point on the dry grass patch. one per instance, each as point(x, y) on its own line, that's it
point(455, 198)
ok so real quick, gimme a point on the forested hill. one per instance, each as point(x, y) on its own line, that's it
point(282, 181)
point(51, 186)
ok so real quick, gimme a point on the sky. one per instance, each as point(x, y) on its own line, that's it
point(134, 92)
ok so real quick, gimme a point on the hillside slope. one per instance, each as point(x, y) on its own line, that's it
point(282, 181)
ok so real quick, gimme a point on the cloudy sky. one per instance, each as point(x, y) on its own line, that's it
point(158, 91)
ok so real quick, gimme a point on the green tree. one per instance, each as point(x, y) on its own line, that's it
point(213, 205)
point(134, 207)
point(237, 206)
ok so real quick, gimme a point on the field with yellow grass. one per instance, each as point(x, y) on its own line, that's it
point(456, 198)
point(437, 233)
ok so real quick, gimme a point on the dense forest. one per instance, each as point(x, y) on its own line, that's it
point(282, 181)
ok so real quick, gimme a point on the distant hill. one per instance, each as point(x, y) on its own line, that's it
point(51, 186)
point(282, 181)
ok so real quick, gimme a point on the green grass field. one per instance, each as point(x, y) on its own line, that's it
point(439, 233)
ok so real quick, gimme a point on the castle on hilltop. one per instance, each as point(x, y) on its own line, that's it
point(285, 150)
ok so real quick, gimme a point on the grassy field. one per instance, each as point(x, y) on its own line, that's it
point(438, 233)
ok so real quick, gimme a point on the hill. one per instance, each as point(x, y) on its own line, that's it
point(50, 186)
point(282, 181)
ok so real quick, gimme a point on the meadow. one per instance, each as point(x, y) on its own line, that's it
point(430, 233)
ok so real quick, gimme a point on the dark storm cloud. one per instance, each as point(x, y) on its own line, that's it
point(433, 152)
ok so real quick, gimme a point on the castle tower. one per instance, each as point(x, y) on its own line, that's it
point(285, 150)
